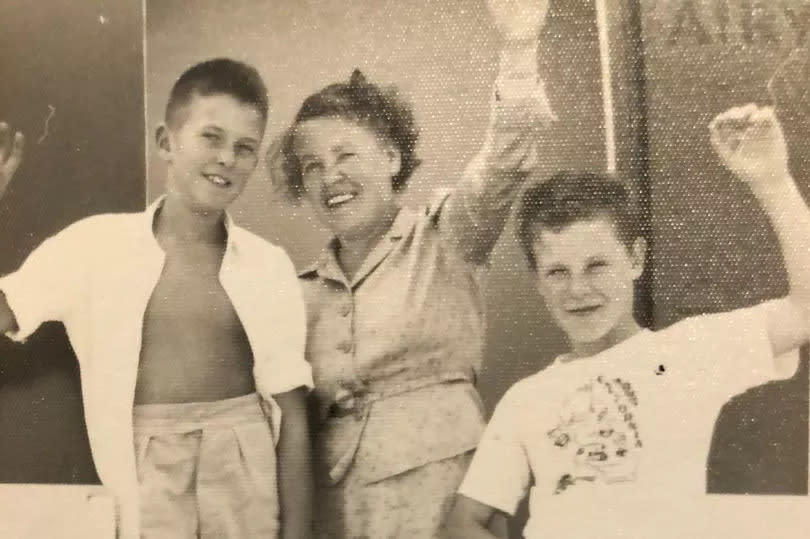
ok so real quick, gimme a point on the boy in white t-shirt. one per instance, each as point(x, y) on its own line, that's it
point(611, 440)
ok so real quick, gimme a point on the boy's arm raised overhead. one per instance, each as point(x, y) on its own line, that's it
point(11, 152)
point(751, 145)
point(476, 212)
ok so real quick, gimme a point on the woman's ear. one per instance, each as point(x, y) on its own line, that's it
point(395, 160)
point(639, 255)
point(162, 139)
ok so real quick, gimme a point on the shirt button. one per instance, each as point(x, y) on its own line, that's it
point(346, 309)
point(345, 347)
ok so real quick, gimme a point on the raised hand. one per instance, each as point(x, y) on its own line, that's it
point(750, 144)
point(518, 20)
point(11, 151)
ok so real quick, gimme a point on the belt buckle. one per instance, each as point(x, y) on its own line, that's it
point(349, 402)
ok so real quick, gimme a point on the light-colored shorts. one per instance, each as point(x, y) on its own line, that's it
point(206, 470)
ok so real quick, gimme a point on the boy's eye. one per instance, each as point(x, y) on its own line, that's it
point(346, 155)
point(596, 266)
point(212, 137)
point(556, 273)
point(245, 149)
point(310, 167)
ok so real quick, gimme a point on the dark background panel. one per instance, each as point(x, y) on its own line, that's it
point(72, 81)
point(714, 249)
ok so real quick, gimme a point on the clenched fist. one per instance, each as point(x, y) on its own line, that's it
point(750, 143)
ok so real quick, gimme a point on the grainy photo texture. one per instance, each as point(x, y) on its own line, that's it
point(373, 269)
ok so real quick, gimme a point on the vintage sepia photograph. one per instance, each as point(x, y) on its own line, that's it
point(404, 269)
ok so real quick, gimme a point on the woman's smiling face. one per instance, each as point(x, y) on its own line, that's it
point(346, 172)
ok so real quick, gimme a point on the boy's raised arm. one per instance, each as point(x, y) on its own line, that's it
point(750, 143)
point(11, 152)
point(476, 212)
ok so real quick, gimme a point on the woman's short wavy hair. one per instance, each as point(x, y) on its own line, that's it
point(380, 109)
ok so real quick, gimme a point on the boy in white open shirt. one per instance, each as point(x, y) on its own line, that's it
point(613, 437)
point(189, 330)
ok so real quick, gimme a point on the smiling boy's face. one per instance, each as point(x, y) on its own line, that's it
point(212, 151)
point(586, 276)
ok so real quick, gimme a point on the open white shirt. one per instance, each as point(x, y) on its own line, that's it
point(97, 276)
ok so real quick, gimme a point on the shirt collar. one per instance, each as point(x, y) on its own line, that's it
point(327, 266)
point(149, 222)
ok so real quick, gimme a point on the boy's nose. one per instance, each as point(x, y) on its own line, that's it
point(226, 157)
point(578, 285)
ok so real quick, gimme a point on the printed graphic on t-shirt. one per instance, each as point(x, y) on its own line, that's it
point(598, 430)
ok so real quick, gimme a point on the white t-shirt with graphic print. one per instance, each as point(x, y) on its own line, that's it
point(616, 444)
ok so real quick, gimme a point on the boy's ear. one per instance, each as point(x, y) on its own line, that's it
point(163, 141)
point(639, 256)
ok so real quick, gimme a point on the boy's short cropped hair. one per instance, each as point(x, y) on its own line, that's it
point(569, 197)
point(218, 76)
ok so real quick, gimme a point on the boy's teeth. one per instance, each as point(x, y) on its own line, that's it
point(219, 180)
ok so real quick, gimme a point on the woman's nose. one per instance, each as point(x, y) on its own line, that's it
point(333, 174)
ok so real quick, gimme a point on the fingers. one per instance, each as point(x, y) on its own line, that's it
point(767, 116)
point(721, 145)
point(722, 132)
point(5, 146)
point(728, 129)
point(11, 149)
point(735, 116)
point(15, 157)
point(750, 143)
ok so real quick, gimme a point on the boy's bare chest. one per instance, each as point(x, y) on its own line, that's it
point(189, 288)
point(194, 346)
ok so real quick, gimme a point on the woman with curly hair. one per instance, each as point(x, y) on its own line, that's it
point(395, 304)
